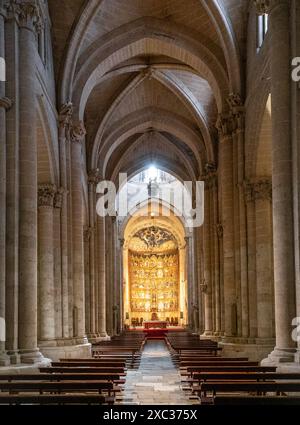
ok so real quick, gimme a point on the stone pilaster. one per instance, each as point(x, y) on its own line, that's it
point(4, 104)
point(12, 187)
point(282, 179)
point(28, 17)
point(64, 123)
point(224, 126)
point(102, 277)
point(46, 319)
point(262, 193)
point(77, 138)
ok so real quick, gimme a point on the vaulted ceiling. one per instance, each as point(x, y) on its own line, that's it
point(149, 78)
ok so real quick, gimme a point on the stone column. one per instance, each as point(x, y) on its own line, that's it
point(46, 324)
point(226, 187)
point(282, 179)
point(207, 259)
point(251, 248)
point(102, 277)
point(264, 268)
point(4, 104)
point(29, 20)
point(77, 138)
point(58, 303)
point(64, 122)
point(12, 188)
point(92, 181)
point(219, 233)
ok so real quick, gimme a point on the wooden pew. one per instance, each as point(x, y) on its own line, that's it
point(226, 368)
point(238, 376)
point(59, 387)
point(256, 401)
point(114, 377)
point(81, 369)
point(249, 387)
point(55, 399)
point(88, 364)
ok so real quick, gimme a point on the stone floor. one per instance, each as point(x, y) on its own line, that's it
point(156, 381)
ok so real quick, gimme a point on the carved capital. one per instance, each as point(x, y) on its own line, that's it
point(219, 230)
point(237, 111)
point(224, 125)
point(78, 132)
point(65, 114)
point(210, 175)
point(94, 176)
point(262, 6)
point(122, 241)
point(46, 193)
point(203, 287)
point(263, 189)
point(258, 190)
point(5, 103)
point(87, 233)
point(58, 198)
point(27, 13)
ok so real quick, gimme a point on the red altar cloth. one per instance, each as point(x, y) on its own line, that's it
point(155, 324)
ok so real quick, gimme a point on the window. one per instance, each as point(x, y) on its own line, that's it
point(262, 28)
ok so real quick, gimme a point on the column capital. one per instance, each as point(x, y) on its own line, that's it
point(46, 193)
point(58, 198)
point(263, 189)
point(219, 230)
point(210, 175)
point(224, 125)
point(237, 111)
point(87, 233)
point(65, 114)
point(94, 176)
point(5, 103)
point(262, 6)
point(260, 189)
point(78, 132)
point(27, 13)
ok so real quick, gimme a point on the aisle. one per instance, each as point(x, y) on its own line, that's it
point(157, 381)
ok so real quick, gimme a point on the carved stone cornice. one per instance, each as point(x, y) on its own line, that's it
point(46, 193)
point(27, 13)
point(58, 198)
point(65, 115)
point(94, 176)
point(262, 6)
point(5, 103)
point(77, 132)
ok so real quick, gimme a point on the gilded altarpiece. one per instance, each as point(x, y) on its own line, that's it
point(154, 276)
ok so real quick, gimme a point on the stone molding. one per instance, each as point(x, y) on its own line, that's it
point(46, 193)
point(27, 13)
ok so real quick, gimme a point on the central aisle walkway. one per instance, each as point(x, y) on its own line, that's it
point(157, 381)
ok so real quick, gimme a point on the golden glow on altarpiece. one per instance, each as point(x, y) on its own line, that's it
point(154, 285)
